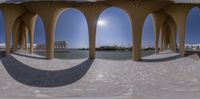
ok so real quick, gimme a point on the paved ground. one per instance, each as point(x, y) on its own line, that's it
point(163, 76)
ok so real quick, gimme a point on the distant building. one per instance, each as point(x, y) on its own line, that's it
point(40, 47)
point(192, 46)
point(2, 45)
point(34, 45)
point(58, 45)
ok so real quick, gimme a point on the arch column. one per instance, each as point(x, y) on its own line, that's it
point(179, 13)
point(158, 19)
point(26, 37)
point(23, 32)
point(16, 30)
point(29, 19)
point(173, 29)
point(92, 12)
point(49, 12)
point(168, 34)
point(163, 36)
point(137, 26)
point(10, 13)
point(161, 39)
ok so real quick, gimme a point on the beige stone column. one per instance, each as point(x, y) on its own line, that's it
point(163, 37)
point(137, 26)
point(161, 40)
point(10, 13)
point(168, 34)
point(16, 30)
point(26, 37)
point(29, 19)
point(179, 13)
point(173, 29)
point(23, 32)
point(158, 19)
point(92, 12)
point(49, 12)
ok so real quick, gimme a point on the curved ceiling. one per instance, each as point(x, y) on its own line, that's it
point(20, 1)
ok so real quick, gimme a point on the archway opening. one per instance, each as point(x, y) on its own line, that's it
point(2, 33)
point(192, 41)
point(147, 37)
point(39, 38)
point(71, 36)
point(114, 36)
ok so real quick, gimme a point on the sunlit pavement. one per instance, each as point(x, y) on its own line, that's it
point(163, 76)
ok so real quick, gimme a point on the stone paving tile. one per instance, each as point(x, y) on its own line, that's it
point(178, 78)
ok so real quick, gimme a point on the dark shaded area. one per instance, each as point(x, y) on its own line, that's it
point(2, 54)
point(188, 53)
point(44, 78)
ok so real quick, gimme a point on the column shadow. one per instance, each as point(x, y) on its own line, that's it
point(188, 53)
point(44, 78)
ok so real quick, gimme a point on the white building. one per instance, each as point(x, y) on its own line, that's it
point(2, 45)
point(192, 46)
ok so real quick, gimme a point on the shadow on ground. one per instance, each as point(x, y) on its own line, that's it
point(43, 78)
point(188, 53)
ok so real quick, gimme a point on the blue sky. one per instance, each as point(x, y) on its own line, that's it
point(114, 30)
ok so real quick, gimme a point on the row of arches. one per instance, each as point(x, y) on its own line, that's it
point(147, 35)
point(116, 33)
point(89, 30)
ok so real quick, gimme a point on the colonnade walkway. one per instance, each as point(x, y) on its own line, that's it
point(162, 76)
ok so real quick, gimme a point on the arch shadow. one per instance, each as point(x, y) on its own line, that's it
point(44, 78)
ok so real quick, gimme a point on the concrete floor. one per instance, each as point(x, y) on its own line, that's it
point(163, 76)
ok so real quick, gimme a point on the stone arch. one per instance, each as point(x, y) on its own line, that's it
point(74, 37)
point(39, 34)
point(179, 13)
point(2, 33)
point(148, 34)
point(10, 14)
point(92, 11)
point(192, 28)
point(168, 35)
point(27, 19)
point(112, 22)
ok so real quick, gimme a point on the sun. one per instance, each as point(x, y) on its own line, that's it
point(101, 22)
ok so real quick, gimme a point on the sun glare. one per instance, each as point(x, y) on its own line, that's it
point(101, 22)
